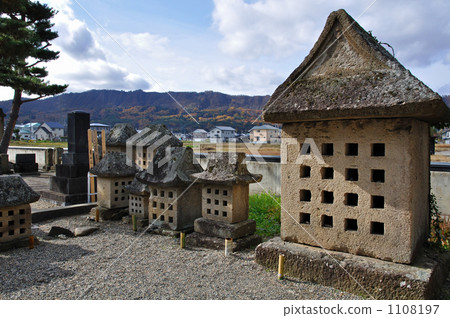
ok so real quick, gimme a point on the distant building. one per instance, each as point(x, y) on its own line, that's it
point(265, 134)
point(222, 134)
point(56, 129)
point(199, 135)
point(446, 136)
point(27, 131)
point(42, 133)
point(100, 127)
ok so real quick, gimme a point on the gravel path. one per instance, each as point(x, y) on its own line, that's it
point(153, 268)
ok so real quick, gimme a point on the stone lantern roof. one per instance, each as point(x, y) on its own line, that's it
point(138, 188)
point(171, 171)
point(114, 165)
point(14, 191)
point(227, 169)
point(119, 134)
point(157, 135)
point(349, 75)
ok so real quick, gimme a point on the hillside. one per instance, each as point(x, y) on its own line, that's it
point(141, 108)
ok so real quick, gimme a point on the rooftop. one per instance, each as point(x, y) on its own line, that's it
point(14, 191)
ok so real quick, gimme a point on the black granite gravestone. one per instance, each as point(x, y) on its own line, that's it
point(71, 175)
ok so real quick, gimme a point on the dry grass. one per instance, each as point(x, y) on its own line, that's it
point(440, 158)
point(442, 147)
point(260, 149)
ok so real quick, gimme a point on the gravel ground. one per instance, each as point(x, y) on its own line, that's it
point(153, 268)
point(41, 204)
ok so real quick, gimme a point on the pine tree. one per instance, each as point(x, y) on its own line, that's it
point(25, 35)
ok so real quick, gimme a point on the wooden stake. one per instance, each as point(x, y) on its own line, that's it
point(103, 144)
point(31, 242)
point(91, 165)
point(182, 240)
point(133, 221)
point(97, 215)
point(281, 267)
point(95, 144)
point(228, 246)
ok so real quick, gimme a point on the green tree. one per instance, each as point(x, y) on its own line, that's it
point(25, 35)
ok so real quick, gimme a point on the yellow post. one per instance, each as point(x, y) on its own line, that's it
point(228, 246)
point(133, 221)
point(182, 240)
point(281, 266)
point(97, 215)
point(31, 242)
point(103, 144)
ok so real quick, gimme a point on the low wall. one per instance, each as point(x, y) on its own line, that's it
point(440, 186)
point(41, 153)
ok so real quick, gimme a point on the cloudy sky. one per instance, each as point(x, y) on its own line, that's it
point(231, 46)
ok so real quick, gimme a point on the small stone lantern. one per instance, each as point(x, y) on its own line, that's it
point(139, 196)
point(225, 196)
point(15, 211)
point(113, 174)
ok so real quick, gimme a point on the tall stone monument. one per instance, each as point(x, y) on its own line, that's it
point(70, 182)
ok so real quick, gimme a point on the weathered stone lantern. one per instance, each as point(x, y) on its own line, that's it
point(225, 194)
point(113, 174)
point(116, 141)
point(139, 198)
point(175, 201)
point(15, 211)
point(356, 147)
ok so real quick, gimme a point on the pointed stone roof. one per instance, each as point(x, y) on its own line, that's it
point(172, 170)
point(157, 135)
point(14, 191)
point(119, 134)
point(115, 165)
point(226, 168)
point(348, 74)
point(137, 187)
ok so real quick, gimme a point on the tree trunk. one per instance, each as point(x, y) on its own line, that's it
point(14, 114)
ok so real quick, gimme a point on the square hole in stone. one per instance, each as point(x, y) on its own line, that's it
point(327, 173)
point(123, 183)
point(123, 198)
point(162, 218)
point(305, 195)
point(351, 225)
point(351, 149)
point(305, 171)
point(22, 221)
point(1, 234)
point(208, 211)
point(326, 221)
point(216, 212)
point(155, 192)
point(377, 175)
point(116, 199)
point(161, 205)
point(1, 224)
point(225, 203)
point(377, 202)
point(170, 194)
point(170, 219)
point(378, 150)
point(116, 184)
point(161, 194)
point(224, 214)
point(216, 202)
point(116, 191)
point(171, 207)
point(208, 190)
point(327, 149)
point(351, 199)
point(351, 174)
point(21, 231)
point(154, 204)
point(305, 218)
point(11, 232)
point(217, 191)
point(208, 201)
point(10, 213)
point(22, 211)
point(154, 216)
point(11, 223)
point(123, 191)
point(1, 214)
point(377, 228)
point(225, 192)
point(327, 197)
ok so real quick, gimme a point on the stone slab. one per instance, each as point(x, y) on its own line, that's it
point(224, 230)
point(68, 185)
point(78, 123)
point(25, 167)
point(53, 213)
point(62, 198)
point(17, 243)
point(4, 164)
point(72, 171)
point(217, 243)
point(359, 275)
point(106, 214)
point(25, 158)
point(75, 159)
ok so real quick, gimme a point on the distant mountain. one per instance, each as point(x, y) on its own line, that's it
point(141, 109)
point(446, 99)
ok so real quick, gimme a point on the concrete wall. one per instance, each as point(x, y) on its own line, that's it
point(440, 186)
point(41, 153)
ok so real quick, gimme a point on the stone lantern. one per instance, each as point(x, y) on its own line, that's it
point(118, 136)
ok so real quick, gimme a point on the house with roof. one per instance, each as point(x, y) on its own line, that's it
point(27, 131)
point(100, 127)
point(199, 135)
point(222, 134)
point(265, 134)
point(42, 133)
point(356, 124)
point(446, 136)
point(56, 129)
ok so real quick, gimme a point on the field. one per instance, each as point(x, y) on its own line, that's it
point(248, 148)
point(38, 143)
